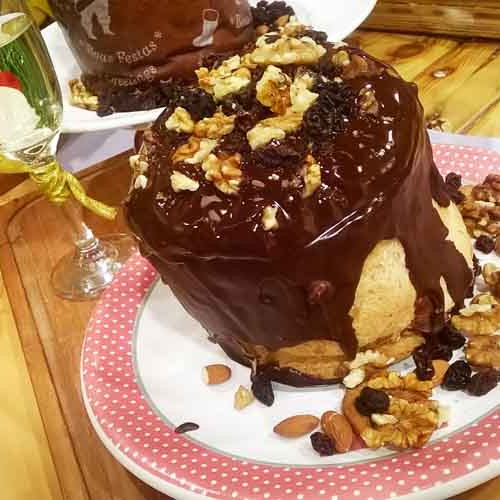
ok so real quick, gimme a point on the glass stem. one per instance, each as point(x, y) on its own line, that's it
point(83, 237)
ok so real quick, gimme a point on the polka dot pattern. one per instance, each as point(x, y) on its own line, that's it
point(123, 415)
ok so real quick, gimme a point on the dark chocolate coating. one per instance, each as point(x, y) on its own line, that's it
point(249, 286)
point(130, 42)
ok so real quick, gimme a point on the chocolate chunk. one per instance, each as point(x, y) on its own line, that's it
point(262, 388)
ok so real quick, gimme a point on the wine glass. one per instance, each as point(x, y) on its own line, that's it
point(30, 121)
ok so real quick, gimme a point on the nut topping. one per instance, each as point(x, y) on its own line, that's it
point(180, 121)
point(338, 429)
point(484, 351)
point(354, 378)
point(215, 127)
point(312, 177)
point(368, 102)
point(81, 97)
point(230, 77)
point(273, 128)
point(194, 151)
point(181, 182)
point(269, 220)
point(300, 94)
point(478, 319)
point(273, 90)
point(288, 50)
point(224, 172)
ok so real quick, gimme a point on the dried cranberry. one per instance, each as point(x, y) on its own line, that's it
point(322, 444)
point(372, 401)
point(483, 382)
point(451, 337)
point(485, 244)
point(262, 388)
point(423, 362)
point(457, 376)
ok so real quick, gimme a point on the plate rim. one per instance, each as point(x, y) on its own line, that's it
point(436, 491)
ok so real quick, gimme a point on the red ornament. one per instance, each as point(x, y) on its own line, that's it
point(7, 79)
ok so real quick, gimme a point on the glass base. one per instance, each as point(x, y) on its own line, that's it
point(84, 274)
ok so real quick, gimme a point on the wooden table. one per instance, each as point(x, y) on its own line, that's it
point(49, 450)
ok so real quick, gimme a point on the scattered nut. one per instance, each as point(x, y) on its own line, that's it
point(297, 426)
point(491, 275)
point(242, 398)
point(215, 127)
point(224, 172)
point(367, 358)
point(269, 220)
point(216, 374)
point(478, 319)
point(181, 182)
point(483, 351)
point(354, 378)
point(81, 97)
point(338, 429)
point(381, 419)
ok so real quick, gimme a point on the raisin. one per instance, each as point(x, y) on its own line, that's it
point(485, 244)
point(454, 180)
point(267, 13)
point(322, 444)
point(318, 36)
point(423, 362)
point(198, 102)
point(372, 401)
point(186, 427)
point(262, 388)
point(439, 351)
point(483, 382)
point(477, 266)
point(457, 376)
point(289, 152)
point(451, 337)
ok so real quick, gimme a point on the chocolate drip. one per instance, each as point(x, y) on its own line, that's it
point(250, 287)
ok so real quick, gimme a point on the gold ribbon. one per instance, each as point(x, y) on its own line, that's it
point(57, 184)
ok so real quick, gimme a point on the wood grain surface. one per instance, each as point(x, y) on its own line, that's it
point(49, 448)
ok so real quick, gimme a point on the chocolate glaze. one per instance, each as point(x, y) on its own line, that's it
point(250, 287)
point(123, 43)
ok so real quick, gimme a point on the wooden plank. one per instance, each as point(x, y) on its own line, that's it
point(488, 124)
point(40, 235)
point(25, 456)
point(409, 55)
point(466, 19)
point(441, 81)
point(470, 89)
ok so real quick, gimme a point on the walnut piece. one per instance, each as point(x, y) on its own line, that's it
point(491, 275)
point(354, 378)
point(312, 177)
point(300, 94)
point(484, 298)
point(180, 121)
point(181, 182)
point(484, 351)
point(273, 90)
point(224, 172)
point(273, 128)
point(340, 59)
point(481, 207)
point(287, 50)
point(380, 419)
point(215, 127)
point(194, 151)
point(269, 220)
point(230, 77)
point(81, 97)
point(415, 425)
point(479, 319)
point(368, 102)
point(140, 182)
point(292, 28)
point(409, 382)
point(368, 357)
point(138, 164)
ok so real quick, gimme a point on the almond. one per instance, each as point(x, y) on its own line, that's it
point(242, 398)
point(338, 429)
point(297, 426)
point(216, 374)
point(440, 368)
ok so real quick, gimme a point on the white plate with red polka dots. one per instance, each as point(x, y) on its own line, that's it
point(141, 364)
